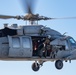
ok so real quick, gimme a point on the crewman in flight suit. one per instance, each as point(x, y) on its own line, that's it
point(43, 47)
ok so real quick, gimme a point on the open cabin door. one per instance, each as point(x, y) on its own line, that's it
point(20, 46)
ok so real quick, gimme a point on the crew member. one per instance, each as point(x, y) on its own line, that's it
point(43, 47)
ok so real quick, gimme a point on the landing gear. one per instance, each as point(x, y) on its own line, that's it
point(59, 64)
point(35, 66)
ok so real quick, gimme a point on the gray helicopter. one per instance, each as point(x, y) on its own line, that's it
point(34, 42)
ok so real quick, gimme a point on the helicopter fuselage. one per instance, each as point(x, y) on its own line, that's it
point(21, 43)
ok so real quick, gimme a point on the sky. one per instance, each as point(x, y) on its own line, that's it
point(49, 8)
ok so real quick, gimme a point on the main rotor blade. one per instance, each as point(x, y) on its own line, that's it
point(28, 6)
point(6, 17)
point(63, 18)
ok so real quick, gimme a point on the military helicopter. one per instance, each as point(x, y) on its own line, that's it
point(23, 42)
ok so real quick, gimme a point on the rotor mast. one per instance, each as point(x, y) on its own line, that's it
point(33, 19)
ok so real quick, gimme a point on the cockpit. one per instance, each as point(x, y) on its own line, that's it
point(72, 41)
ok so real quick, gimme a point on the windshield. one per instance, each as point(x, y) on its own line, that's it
point(72, 40)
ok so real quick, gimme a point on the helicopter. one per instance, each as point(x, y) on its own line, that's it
point(24, 42)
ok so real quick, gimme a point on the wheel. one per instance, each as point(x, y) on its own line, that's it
point(35, 67)
point(59, 64)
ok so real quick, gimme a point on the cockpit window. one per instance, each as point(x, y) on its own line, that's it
point(72, 40)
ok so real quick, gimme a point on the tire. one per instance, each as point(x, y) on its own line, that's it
point(34, 67)
point(59, 64)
